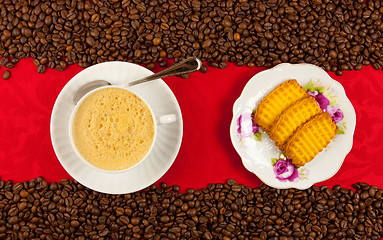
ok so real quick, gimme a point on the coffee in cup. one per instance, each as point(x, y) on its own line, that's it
point(113, 129)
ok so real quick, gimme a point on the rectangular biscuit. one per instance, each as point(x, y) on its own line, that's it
point(290, 119)
point(310, 139)
point(273, 104)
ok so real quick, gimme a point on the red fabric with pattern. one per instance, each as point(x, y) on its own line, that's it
point(206, 100)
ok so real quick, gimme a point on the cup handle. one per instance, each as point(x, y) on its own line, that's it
point(165, 119)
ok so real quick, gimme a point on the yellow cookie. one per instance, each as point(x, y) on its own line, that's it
point(290, 119)
point(279, 99)
point(310, 139)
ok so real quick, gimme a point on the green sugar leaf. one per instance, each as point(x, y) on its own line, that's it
point(274, 161)
point(258, 136)
point(310, 86)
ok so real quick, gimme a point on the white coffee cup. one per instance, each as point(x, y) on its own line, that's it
point(157, 120)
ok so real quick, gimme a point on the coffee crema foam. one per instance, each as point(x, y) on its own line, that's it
point(113, 129)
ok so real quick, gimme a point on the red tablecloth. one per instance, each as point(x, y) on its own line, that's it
point(206, 100)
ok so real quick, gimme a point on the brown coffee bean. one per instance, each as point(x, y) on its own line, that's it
point(4, 61)
point(236, 36)
point(376, 66)
point(206, 43)
point(364, 195)
point(268, 35)
point(135, 221)
point(9, 65)
point(13, 211)
point(358, 66)
point(41, 69)
point(165, 219)
point(150, 66)
point(156, 41)
point(90, 41)
point(24, 194)
point(222, 65)
point(6, 74)
point(203, 69)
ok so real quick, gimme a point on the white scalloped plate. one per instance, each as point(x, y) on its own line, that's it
point(256, 155)
point(166, 146)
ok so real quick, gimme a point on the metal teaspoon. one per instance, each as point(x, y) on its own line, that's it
point(188, 65)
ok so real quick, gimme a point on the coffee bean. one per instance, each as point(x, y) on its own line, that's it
point(135, 221)
point(24, 194)
point(358, 66)
point(4, 61)
point(165, 219)
point(156, 41)
point(6, 74)
point(236, 36)
point(9, 65)
point(203, 69)
point(13, 220)
point(163, 64)
point(41, 69)
point(13, 211)
point(21, 206)
point(376, 66)
point(268, 35)
point(150, 66)
point(206, 43)
point(222, 65)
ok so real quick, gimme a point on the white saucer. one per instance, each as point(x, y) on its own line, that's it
point(257, 155)
point(167, 143)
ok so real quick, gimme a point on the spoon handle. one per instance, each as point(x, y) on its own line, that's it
point(188, 65)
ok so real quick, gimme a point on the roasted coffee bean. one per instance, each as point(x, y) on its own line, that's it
point(15, 60)
point(203, 69)
point(4, 61)
point(6, 74)
point(41, 69)
point(9, 65)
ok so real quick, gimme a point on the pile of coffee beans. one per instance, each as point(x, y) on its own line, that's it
point(36, 209)
point(336, 35)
